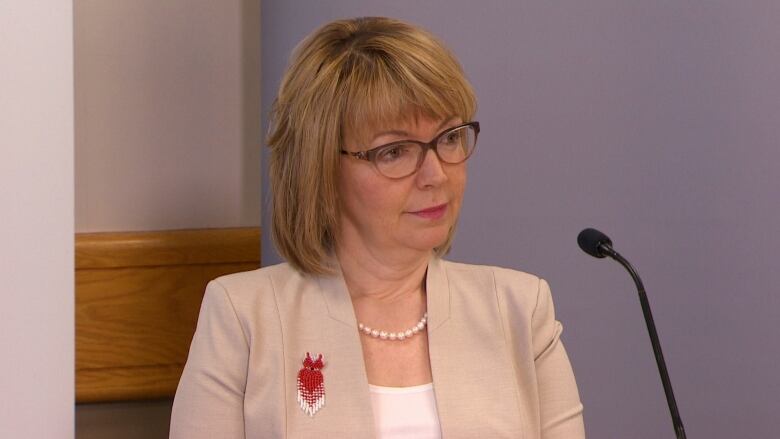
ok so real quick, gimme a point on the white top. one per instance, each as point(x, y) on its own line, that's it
point(405, 412)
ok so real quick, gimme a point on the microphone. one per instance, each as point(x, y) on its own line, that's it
point(598, 245)
point(595, 243)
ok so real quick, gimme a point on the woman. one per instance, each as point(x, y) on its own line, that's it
point(365, 331)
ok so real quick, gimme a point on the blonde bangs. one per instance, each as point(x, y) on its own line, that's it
point(382, 91)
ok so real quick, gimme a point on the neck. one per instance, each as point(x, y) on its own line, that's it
point(383, 281)
point(382, 277)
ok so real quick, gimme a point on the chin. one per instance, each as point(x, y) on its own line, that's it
point(429, 240)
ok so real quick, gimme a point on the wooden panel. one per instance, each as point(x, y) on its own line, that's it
point(137, 302)
point(176, 247)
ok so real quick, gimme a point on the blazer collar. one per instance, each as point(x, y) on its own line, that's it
point(437, 288)
point(336, 295)
point(339, 304)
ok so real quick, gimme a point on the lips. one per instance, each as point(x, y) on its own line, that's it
point(434, 212)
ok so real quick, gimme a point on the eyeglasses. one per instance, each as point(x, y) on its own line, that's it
point(403, 158)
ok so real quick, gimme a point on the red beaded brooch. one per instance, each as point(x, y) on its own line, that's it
point(311, 385)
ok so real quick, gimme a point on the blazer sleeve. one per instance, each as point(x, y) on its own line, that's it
point(559, 401)
point(209, 401)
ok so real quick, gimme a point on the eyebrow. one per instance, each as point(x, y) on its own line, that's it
point(404, 133)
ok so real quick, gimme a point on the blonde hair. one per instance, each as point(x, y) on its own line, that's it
point(348, 77)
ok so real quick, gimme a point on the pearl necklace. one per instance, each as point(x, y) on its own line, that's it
point(399, 336)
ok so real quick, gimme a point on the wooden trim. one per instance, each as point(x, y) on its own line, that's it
point(129, 383)
point(172, 247)
point(138, 296)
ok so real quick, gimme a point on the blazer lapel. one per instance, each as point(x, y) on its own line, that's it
point(325, 324)
point(438, 294)
point(473, 376)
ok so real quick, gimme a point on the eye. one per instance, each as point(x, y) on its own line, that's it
point(393, 153)
point(453, 137)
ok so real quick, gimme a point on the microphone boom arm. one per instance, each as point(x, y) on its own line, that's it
point(607, 250)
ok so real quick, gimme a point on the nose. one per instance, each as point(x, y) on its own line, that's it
point(431, 172)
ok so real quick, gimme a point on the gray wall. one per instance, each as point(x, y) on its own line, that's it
point(655, 121)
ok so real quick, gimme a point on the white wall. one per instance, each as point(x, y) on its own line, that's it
point(36, 219)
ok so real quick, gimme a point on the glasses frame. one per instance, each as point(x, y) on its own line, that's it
point(370, 155)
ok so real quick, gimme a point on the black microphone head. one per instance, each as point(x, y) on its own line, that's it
point(590, 241)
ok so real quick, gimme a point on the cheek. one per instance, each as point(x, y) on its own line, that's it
point(367, 199)
point(457, 178)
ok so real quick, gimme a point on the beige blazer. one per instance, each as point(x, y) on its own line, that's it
point(499, 368)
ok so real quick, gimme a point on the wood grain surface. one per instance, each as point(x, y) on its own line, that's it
point(137, 302)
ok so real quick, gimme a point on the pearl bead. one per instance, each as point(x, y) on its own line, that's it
point(400, 335)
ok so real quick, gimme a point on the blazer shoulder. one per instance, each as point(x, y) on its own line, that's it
point(516, 292)
point(501, 277)
point(250, 288)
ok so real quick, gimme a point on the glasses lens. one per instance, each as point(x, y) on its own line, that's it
point(399, 160)
point(457, 145)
